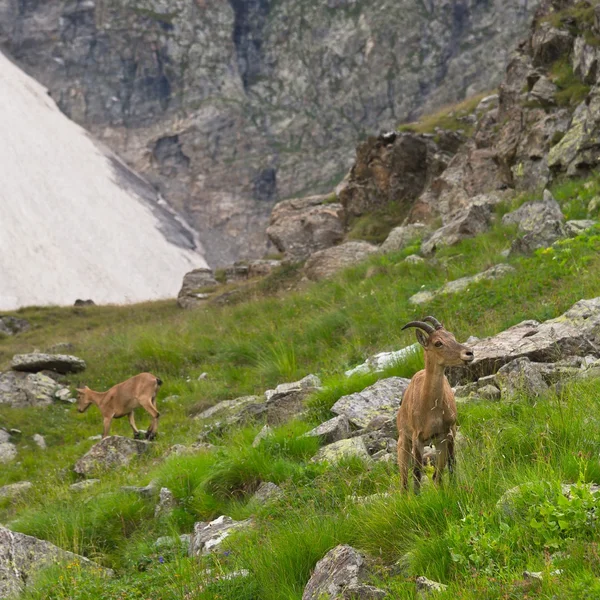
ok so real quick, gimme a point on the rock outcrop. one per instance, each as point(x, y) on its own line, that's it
point(20, 389)
point(13, 325)
point(194, 286)
point(21, 556)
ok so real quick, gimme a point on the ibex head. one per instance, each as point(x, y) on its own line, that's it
point(83, 399)
point(440, 345)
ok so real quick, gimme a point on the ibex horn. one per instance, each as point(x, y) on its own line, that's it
point(434, 322)
point(424, 326)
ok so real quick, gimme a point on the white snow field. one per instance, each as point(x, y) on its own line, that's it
point(75, 222)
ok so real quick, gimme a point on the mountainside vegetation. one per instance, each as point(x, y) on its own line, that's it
point(455, 535)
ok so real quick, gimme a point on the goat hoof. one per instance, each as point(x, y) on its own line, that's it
point(150, 436)
point(138, 435)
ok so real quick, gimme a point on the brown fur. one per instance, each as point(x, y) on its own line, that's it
point(122, 399)
point(427, 413)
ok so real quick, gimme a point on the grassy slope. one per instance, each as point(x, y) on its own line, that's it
point(454, 535)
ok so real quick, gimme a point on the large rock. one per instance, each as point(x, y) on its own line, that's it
point(230, 413)
point(426, 588)
point(8, 452)
point(575, 333)
point(541, 223)
point(193, 287)
point(548, 44)
point(326, 263)
point(302, 226)
point(35, 362)
point(13, 325)
point(521, 375)
point(466, 223)
point(458, 285)
point(267, 492)
point(21, 556)
point(350, 448)
point(401, 237)
point(341, 567)
point(331, 431)
point(382, 398)
point(20, 389)
point(395, 168)
point(113, 451)
point(207, 537)
point(286, 401)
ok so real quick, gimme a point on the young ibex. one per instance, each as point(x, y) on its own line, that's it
point(428, 412)
point(122, 399)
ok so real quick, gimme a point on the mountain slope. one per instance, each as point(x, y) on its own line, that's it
point(76, 222)
point(232, 106)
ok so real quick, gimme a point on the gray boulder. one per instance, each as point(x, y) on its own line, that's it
point(113, 451)
point(576, 227)
point(39, 441)
point(4, 436)
point(548, 44)
point(21, 556)
point(12, 490)
point(13, 325)
point(349, 448)
point(191, 293)
point(166, 503)
point(302, 226)
point(36, 361)
point(208, 537)
point(266, 492)
point(575, 333)
point(489, 392)
point(467, 223)
point(382, 398)
point(326, 263)
point(8, 452)
point(230, 413)
point(286, 401)
point(401, 237)
point(361, 591)
point(544, 91)
point(331, 431)
point(541, 223)
point(19, 389)
point(521, 375)
point(341, 567)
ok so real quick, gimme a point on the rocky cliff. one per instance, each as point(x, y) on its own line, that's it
point(228, 107)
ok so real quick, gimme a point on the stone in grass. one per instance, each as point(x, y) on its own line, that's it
point(267, 492)
point(361, 591)
point(166, 503)
point(208, 537)
point(263, 434)
point(331, 431)
point(83, 485)
point(350, 448)
point(489, 392)
point(341, 567)
point(113, 451)
point(8, 452)
point(40, 441)
point(12, 490)
point(427, 587)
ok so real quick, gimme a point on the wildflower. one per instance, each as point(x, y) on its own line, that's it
point(161, 560)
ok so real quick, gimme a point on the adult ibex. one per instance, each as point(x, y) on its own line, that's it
point(122, 399)
point(428, 411)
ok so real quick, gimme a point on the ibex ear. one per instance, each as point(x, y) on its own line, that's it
point(422, 338)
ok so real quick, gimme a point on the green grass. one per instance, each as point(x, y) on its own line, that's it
point(455, 535)
point(571, 91)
